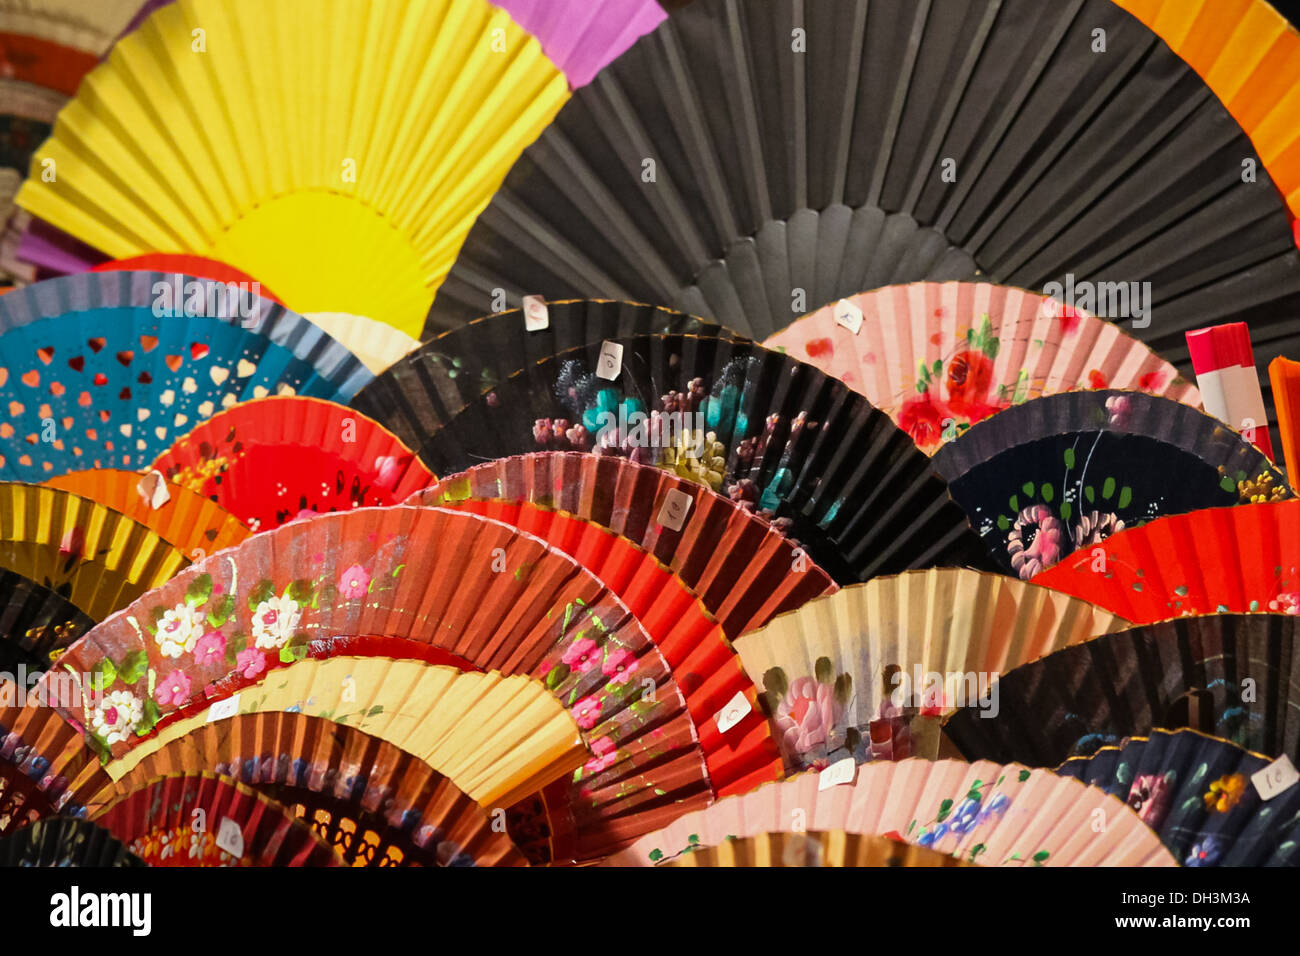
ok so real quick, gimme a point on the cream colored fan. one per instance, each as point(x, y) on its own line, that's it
point(867, 671)
point(86, 25)
point(376, 344)
point(497, 738)
point(831, 848)
point(339, 151)
point(981, 812)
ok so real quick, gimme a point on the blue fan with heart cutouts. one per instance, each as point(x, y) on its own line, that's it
point(106, 370)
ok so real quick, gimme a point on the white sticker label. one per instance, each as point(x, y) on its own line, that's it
point(153, 489)
point(536, 315)
point(675, 508)
point(733, 713)
point(231, 838)
point(841, 771)
point(611, 361)
point(223, 709)
point(1278, 776)
point(848, 315)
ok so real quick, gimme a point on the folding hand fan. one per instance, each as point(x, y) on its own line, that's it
point(268, 461)
point(26, 117)
point(804, 449)
point(199, 267)
point(88, 27)
point(938, 357)
point(1249, 56)
point(743, 569)
point(203, 819)
point(375, 804)
point(982, 812)
point(107, 369)
point(832, 848)
point(376, 343)
point(419, 394)
point(181, 517)
point(98, 559)
point(1235, 676)
point(1242, 559)
point(1064, 472)
point(62, 841)
point(497, 738)
point(866, 671)
point(1201, 795)
point(751, 162)
point(34, 623)
point(355, 158)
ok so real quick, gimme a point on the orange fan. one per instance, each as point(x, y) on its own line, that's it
point(271, 460)
point(743, 569)
point(202, 819)
point(181, 517)
point(374, 803)
point(1239, 560)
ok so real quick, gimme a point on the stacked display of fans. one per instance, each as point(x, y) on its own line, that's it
point(349, 492)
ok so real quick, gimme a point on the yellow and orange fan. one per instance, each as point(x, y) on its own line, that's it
point(374, 803)
point(181, 517)
point(342, 167)
point(493, 596)
point(204, 819)
point(99, 559)
point(981, 812)
point(35, 624)
point(496, 738)
point(743, 569)
point(864, 673)
point(815, 848)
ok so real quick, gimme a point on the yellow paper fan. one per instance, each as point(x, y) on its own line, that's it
point(339, 151)
point(853, 672)
point(376, 344)
point(497, 738)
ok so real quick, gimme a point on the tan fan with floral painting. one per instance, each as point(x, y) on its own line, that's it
point(828, 848)
point(867, 672)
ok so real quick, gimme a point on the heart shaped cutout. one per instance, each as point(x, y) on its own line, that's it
point(96, 344)
point(148, 342)
point(125, 357)
point(101, 378)
point(198, 350)
point(32, 379)
point(46, 354)
point(145, 378)
point(174, 362)
point(77, 363)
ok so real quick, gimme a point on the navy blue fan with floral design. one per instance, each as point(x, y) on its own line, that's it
point(65, 842)
point(1201, 795)
point(1064, 472)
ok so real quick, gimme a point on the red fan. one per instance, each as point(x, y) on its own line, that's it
point(199, 266)
point(203, 819)
point(743, 569)
point(1240, 560)
point(278, 458)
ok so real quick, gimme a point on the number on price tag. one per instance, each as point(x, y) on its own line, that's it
point(611, 361)
point(223, 709)
point(841, 771)
point(1278, 776)
point(672, 514)
point(230, 838)
point(848, 315)
point(733, 712)
point(536, 315)
point(153, 489)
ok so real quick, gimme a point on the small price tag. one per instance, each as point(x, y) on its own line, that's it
point(841, 771)
point(1278, 776)
point(153, 490)
point(733, 712)
point(536, 315)
point(611, 361)
point(848, 315)
point(672, 514)
point(230, 838)
point(223, 709)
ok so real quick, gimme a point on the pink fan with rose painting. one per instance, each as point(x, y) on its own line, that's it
point(940, 356)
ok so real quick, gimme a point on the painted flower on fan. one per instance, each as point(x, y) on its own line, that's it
point(806, 714)
point(619, 665)
point(1097, 380)
point(173, 690)
point(1206, 852)
point(179, 629)
point(1288, 602)
point(1034, 542)
point(1150, 796)
point(1095, 527)
point(1225, 793)
point(275, 621)
point(586, 712)
point(387, 470)
point(354, 583)
point(582, 655)
point(1119, 408)
point(923, 418)
point(968, 379)
point(117, 716)
point(250, 663)
point(210, 649)
point(606, 755)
